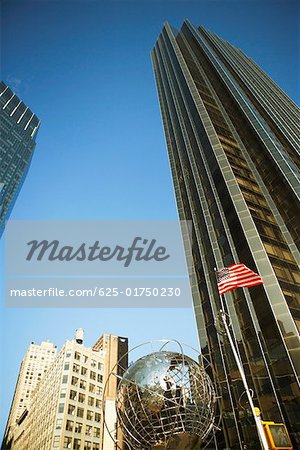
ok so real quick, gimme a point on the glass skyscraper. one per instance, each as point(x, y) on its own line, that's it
point(18, 130)
point(233, 142)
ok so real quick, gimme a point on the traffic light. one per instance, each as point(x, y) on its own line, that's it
point(277, 436)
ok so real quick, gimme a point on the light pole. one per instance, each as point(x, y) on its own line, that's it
point(259, 426)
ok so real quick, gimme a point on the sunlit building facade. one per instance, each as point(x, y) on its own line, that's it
point(70, 402)
point(36, 362)
point(18, 130)
point(233, 142)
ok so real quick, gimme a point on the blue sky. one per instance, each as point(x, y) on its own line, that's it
point(84, 68)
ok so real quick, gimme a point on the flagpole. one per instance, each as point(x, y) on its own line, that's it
point(260, 430)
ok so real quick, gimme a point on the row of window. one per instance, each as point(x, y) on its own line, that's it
point(81, 398)
point(83, 371)
point(75, 444)
point(84, 359)
point(77, 427)
point(82, 384)
point(90, 415)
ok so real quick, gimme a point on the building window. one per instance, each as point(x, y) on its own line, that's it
point(93, 363)
point(56, 441)
point(67, 366)
point(65, 379)
point(91, 401)
point(71, 410)
point(81, 398)
point(73, 395)
point(100, 366)
point(98, 403)
point(96, 446)
point(89, 415)
point(87, 445)
point(82, 384)
point(67, 442)
point(88, 430)
point(69, 425)
point(96, 432)
point(76, 368)
point(77, 356)
point(58, 424)
point(74, 381)
point(93, 375)
point(99, 378)
point(63, 393)
point(92, 388)
point(80, 412)
point(77, 444)
point(61, 408)
point(99, 390)
point(78, 427)
point(97, 417)
point(83, 370)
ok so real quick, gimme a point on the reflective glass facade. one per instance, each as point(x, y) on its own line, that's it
point(18, 129)
point(233, 142)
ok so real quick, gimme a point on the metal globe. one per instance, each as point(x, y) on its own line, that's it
point(165, 400)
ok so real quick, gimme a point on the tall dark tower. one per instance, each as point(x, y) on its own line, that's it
point(233, 141)
point(18, 130)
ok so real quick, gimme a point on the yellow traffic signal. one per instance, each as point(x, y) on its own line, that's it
point(277, 436)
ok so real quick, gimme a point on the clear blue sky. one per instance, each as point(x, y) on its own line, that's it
point(84, 68)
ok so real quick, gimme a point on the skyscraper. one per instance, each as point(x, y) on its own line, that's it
point(233, 142)
point(70, 402)
point(37, 360)
point(18, 130)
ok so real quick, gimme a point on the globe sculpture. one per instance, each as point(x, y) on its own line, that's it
point(165, 400)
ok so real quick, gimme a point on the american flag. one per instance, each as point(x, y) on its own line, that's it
point(235, 276)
